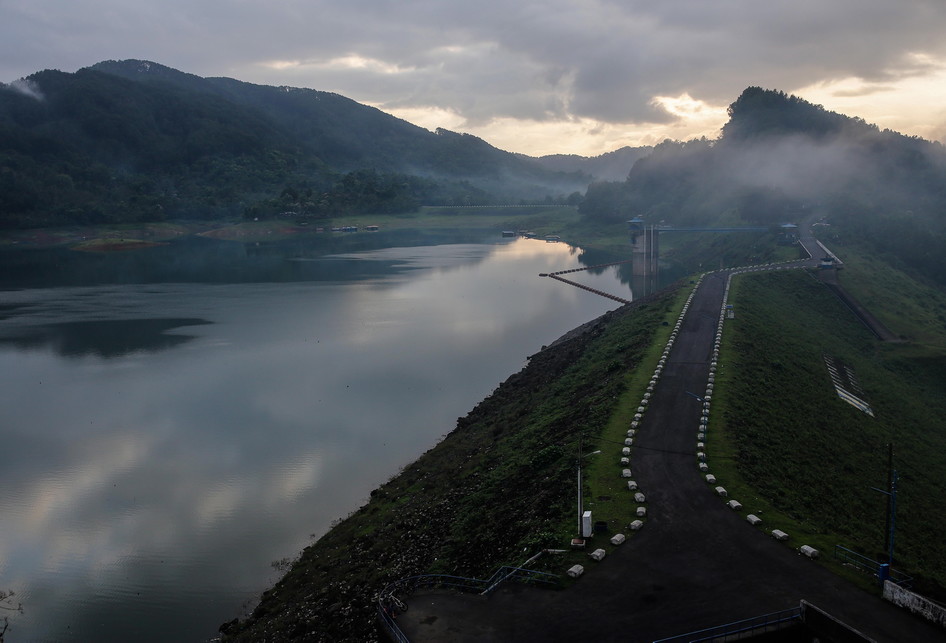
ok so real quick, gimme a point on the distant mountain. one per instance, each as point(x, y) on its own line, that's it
point(342, 133)
point(134, 140)
point(611, 166)
point(781, 158)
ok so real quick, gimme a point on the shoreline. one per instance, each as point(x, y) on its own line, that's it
point(511, 451)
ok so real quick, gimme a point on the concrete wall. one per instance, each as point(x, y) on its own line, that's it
point(821, 626)
point(915, 603)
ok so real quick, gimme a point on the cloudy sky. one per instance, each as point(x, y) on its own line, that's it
point(532, 76)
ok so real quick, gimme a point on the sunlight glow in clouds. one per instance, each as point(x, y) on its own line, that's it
point(342, 63)
point(583, 136)
point(914, 105)
point(537, 77)
point(904, 105)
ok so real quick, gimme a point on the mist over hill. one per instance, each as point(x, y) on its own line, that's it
point(134, 140)
point(610, 166)
point(781, 159)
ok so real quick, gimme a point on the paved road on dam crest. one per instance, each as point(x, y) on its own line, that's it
point(695, 564)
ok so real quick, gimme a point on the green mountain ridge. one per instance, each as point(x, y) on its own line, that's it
point(343, 133)
point(131, 141)
point(134, 140)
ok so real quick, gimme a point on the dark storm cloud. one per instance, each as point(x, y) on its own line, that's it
point(551, 60)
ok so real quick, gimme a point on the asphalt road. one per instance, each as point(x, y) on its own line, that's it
point(695, 564)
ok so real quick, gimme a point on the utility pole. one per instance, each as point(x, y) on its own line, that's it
point(891, 493)
point(893, 514)
point(889, 486)
point(580, 500)
point(580, 436)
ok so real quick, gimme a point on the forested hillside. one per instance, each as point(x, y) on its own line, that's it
point(610, 166)
point(136, 141)
point(133, 141)
point(781, 159)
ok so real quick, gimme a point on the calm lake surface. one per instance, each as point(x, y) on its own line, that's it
point(175, 419)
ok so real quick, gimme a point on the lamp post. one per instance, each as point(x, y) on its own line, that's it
point(892, 513)
point(580, 507)
point(891, 493)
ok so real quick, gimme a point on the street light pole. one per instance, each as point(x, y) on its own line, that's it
point(892, 511)
point(889, 486)
point(579, 486)
point(580, 499)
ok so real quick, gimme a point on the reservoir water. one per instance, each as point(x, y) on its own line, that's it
point(177, 419)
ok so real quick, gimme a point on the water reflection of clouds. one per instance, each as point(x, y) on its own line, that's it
point(62, 517)
point(464, 300)
point(67, 491)
point(122, 495)
point(89, 521)
point(195, 468)
point(551, 253)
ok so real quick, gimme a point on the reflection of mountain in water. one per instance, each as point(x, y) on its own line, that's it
point(104, 338)
point(203, 260)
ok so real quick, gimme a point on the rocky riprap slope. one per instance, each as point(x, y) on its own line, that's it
point(500, 483)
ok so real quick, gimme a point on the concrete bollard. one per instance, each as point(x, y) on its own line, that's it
point(809, 551)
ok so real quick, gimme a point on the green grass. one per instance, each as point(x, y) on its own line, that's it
point(911, 309)
point(542, 221)
point(606, 493)
point(784, 445)
point(780, 440)
point(499, 487)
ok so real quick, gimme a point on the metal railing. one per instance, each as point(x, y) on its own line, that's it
point(871, 566)
point(771, 622)
point(387, 611)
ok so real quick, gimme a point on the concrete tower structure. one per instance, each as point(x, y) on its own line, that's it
point(645, 248)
